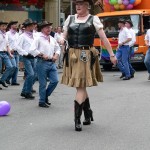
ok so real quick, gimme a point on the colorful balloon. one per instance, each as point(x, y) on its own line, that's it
point(116, 7)
point(120, 2)
point(4, 108)
point(113, 2)
point(122, 7)
point(131, 1)
point(137, 2)
point(126, 2)
point(130, 6)
point(106, 1)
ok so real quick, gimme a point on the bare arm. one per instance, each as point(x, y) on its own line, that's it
point(104, 39)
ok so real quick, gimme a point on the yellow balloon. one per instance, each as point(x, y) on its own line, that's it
point(116, 7)
point(137, 2)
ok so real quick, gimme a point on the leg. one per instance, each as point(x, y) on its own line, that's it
point(53, 77)
point(13, 62)
point(78, 106)
point(147, 61)
point(88, 113)
point(8, 66)
point(29, 77)
point(132, 71)
point(125, 61)
point(42, 75)
point(119, 58)
point(15, 74)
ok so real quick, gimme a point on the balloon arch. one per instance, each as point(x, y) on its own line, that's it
point(122, 4)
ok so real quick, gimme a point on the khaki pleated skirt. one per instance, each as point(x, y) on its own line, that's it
point(79, 73)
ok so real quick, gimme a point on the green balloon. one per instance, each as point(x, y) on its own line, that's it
point(113, 2)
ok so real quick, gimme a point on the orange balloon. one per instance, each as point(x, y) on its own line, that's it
point(137, 2)
point(122, 7)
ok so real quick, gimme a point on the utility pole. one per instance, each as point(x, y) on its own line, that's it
point(71, 8)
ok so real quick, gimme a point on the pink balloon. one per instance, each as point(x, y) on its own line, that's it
point(130, 6)
point(126, 2)
point(106, 1)
point(112, 8)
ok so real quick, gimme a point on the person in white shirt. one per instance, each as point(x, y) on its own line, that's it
point(23, 47)
point(123, 49)
point(12, 37)
point(147, 56)
point(129, 25)
point(47, 50)
point(110, 28)
point(58, 37)
point(5, 54)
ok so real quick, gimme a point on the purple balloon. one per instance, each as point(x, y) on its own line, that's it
point(125, 2)
point(130, 6)
point(4, 108)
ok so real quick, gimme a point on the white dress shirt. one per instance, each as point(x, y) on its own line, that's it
point(12, 37)
point(41, 45)
point(24, 42)
point(133, 35)
point(147, 36)
point(3, 41)
point(124, 34)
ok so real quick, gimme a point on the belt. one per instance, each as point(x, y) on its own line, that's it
point(3, 52)
point(81, 47)
point(125, 45)
point(29, 56)
point(49, 60)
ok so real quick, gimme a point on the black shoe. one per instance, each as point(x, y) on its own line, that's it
point(43, 105)
point(126, 78)
point(123, 75)
point(0, 88)
point(33, 91)
point(149, 77)
point(23, 94)
point(132, 75)
point(88, 113)
point(47, 102)
point(29, 96)
point(15, 84)
point(3, 83)
point(7, 81)
point(78, 112)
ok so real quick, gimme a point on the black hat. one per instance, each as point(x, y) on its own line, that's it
point(11, 23)
point(90, 1)
point(43, 24)
point(130, 22)
point(27, 22)
point(2, 22)
point(121, 21)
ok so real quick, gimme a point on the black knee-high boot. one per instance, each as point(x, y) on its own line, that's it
point(88, 113)
point(77, 113)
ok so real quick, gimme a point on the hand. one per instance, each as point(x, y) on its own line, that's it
point(62, 42)
point(55, 57)
point(113, 59)
point(45, 57)
point(11, 56)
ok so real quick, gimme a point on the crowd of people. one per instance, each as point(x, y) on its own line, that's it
point(39, 48)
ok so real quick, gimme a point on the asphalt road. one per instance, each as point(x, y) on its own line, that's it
point(121, 113)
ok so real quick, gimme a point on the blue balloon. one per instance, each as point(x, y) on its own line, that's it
point(131, 1)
